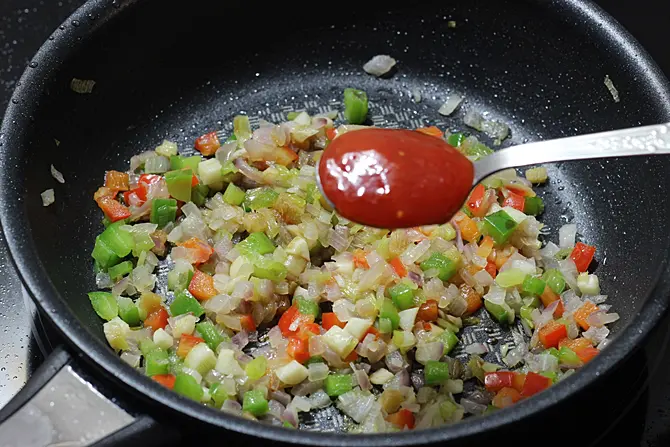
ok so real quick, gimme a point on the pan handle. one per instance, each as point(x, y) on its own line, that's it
point(59, 406)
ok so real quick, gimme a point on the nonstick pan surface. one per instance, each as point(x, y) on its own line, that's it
point(174, 70)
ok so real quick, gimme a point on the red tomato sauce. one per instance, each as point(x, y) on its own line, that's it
point(394, 178)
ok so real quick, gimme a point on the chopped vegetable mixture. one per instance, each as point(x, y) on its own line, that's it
point(275, 305)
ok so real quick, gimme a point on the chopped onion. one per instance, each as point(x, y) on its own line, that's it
point(483, 278)
point(338, 238)
point(241, 339)
point(306, 387)
point(344, 310)
point(319, 399)
point(596, 335)
point(55, 173)
point(612, 89)
point(600, 318)
point(317, 371)
point(131, 359)
point(316, 345)
point(362, 379)
point(567, 235)
point(476, 348)
point(48, 197)
point(516, 355)
point(157, 164)
point(276, 409)
point(379, 65)
point(232, 406)
point(473, 407)
point(395, 361)
point(281, 397)
point(428, 351)
point(249, 172)
point(450, 105)
point(103, 281)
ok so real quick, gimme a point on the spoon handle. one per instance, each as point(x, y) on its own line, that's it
point(647, 140)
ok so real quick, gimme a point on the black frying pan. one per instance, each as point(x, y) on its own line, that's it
point(172, 69)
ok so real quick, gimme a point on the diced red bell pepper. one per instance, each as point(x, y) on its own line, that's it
point(360, 261)
point(157, 319)
point(552, 333)
point(495, 381)
point(167, 380)
point(208, 144)
point(399, 267)
point(374, 331)
point(506, 397)
point(186, 343)
point(401, 419)
point(247, 323)
point(194, 181)
point(307, 330)
point(582, 254)
point(116, 180)
point(200, 249)
point(576, 344)
point(329, 319)
point(113, 209)
point(331, 133)
point(149, 179)
point(202, 286)
point(548, 297)
point(428, 311)
point(518, 381)
point(298, 349)
point(516, 201)
point(586, 354)
point(491, 269)
point(433, 131)
point(475, 202)
point(291, 321)
point(534, 384)
point(352, 357)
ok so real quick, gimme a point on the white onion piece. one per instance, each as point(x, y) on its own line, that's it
point(596, 335)
point(549, 251)
point(317, 372)
point(319, 399)
point(450, 105)
point(472, 407)
point(428, 351)
point(281, 397)
point(48, 197)
point(232, 406)
point(55, 173)
point(516, 355)
point(567, 235)
point(249, 172)
point(476, 348)
point(362, 379)
point(599, 318)
point(379, 65)
point(103, 281)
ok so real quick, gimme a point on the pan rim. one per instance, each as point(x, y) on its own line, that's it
point(42, 291)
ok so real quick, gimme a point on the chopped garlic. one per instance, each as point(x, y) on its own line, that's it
point(537, 175)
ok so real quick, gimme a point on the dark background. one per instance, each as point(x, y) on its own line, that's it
point(25, 24)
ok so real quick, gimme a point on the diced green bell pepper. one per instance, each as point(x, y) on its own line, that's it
point(121, 242)
point(554, 352)
point(234, 195)
point(156, 362)
point(180, 162)
point(533, 206)
point(210, 333)
point(449, 341)
point(255, 244)
point(179, 184)
point(390, 312)
point(103, 255)
point(554, 279)
point(307, 307)
point(184, 303)
point(532, 286)
point(338, 384)
point(266, 268)
point(499, 226)
point(550, 374)
point(445, 266)
point(314, 359)
point(255, 403)
point(258, 198)
point(163, 211)
point(385, 326)
point(104, 304)
point(128, 311)
point(186, 385)
point(525, 313)
point(219, 394)
point(436, 372)
point(455, 139)
point(355, 106)
point(119, 270)
point(199, 194)
point(568, 356)
point(501, 312)
point(402, 296)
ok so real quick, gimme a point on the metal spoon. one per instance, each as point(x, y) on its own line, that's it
point(635, 141)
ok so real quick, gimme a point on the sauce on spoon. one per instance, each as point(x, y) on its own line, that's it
point(394, 178)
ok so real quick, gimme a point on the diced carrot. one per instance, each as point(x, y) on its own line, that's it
point(551, 333)
point(468, 227)
point(431, 130)
point(202, 286)
point(582, 314)
point(359, 259)
point(401, 419)
point(506, 398)
point(587, 354)
point(576, 344)
point(201, 250)
point(247, 323)
point(208, 144)
point(167, 380)
point(472, 298)
point(117, 180)
point(186, 343)
point(485, 247)
point(398, 266)
point(329, 319)
point(428, 311)
point(157, 319)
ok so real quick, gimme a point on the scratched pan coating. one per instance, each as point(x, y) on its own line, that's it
point(174, 70)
